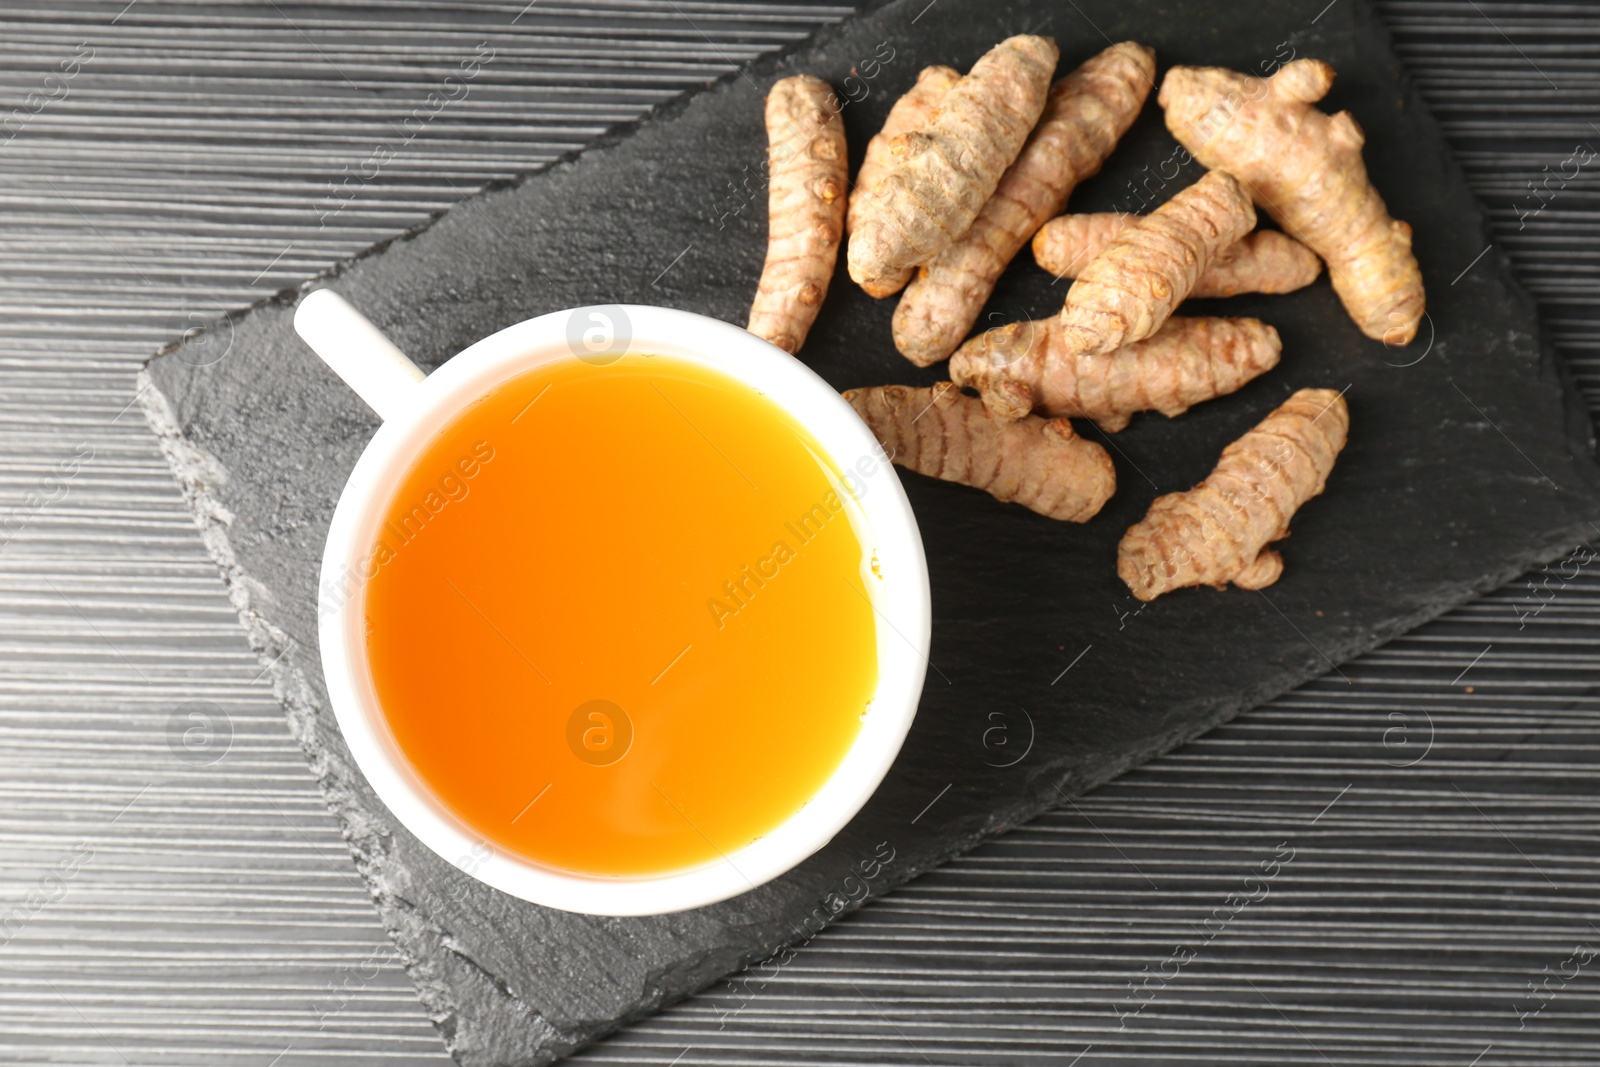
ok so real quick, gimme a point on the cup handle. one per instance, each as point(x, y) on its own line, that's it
point(368, 361)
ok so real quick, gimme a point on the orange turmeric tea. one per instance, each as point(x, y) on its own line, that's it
point(619, 622)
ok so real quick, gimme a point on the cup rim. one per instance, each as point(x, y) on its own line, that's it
point(901, 601)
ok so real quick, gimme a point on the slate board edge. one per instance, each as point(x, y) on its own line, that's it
point(1054, 782)
point(193, 470)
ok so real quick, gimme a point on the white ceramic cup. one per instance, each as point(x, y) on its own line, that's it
point(414, 407)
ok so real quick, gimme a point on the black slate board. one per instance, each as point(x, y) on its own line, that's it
point(1468, 464)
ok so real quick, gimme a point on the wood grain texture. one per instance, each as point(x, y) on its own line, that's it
point(1431, 507)
point(217, 920)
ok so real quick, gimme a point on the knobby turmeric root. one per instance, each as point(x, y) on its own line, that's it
point(940, 177)
point(1126, 292)
point(1262, 261)
point(1085, 116)
point(911, 112)
point(1038, 463)
point(1218, 531)
point(1021, 368)
point(1305, 170)
point(806, 163)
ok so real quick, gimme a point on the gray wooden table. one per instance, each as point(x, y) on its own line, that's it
point(171, 887)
